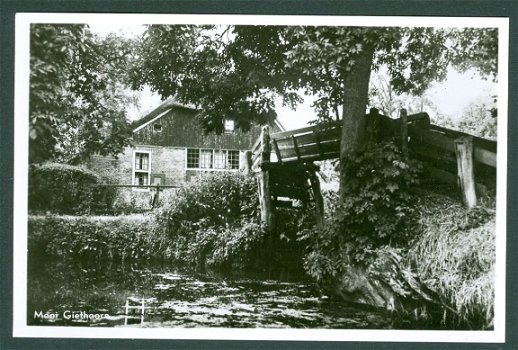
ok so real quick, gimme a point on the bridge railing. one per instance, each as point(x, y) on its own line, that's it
point(318, 142)
point(450, 156)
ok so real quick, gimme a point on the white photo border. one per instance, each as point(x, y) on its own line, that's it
point(20, 327)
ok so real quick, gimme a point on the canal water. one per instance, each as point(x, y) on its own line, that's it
point(112, 295)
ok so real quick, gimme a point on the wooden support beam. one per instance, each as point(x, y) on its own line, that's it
point(403, 118)
point(265, 144)
point(277, 151)
point(246, 162)
point(296, 147)
point(450, 178)
point(465, 171)
point(319, 200)
point(263, 179)
point(265, 199)
point(317, 141)
point(485, 156)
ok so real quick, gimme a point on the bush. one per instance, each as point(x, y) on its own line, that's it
point(66, 189)
point(213, 221)
point(92, 237)
point(377, 211)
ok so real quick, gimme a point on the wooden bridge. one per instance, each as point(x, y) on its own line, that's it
point(283, 162)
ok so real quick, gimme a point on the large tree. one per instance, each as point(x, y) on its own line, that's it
point(239, 71)
point(77, 99)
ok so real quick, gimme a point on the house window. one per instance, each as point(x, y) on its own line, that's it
point(193, 158)
point(141, 179)
point(220, 159)
point(206, 159)
point(229, 126)
point(141, 167)
point(157, 127)
point(212, 159)
point(233, 159)
point(158, 179)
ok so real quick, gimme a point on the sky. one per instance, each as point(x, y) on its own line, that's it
point(451, 96)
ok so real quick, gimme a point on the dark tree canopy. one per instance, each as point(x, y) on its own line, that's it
point(76, 105)
point(239, 71)
point(242, 69)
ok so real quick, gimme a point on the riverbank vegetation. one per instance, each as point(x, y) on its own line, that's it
point(121, 237)
point(454, 254)
point(67, 189)
point(215, 222)
point(423, 244)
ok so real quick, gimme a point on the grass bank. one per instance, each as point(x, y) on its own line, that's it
point(454, 254)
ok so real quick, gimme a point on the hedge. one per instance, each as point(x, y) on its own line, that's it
point(66, 189)
point(91, 237)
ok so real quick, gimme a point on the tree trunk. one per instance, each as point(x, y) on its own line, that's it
point(356, 92)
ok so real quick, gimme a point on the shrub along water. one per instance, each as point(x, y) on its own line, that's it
point(378, 211)
point(91, 237)
point(421, 254)
point(67, 189)
point(214, 222)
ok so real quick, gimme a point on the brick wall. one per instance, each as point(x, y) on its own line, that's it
point(167, 162)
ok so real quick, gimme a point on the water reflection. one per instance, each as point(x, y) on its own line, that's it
point(154, 295)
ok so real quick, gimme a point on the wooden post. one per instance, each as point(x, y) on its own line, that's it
point(319, 200)
point(265, 200)
point(263, 177)
point(246, 162)
point(143, 312)
point(404, 131)
point(156, 196)
point(465, 171)
point(372, 125)
point(265, 143)
point(126, 313)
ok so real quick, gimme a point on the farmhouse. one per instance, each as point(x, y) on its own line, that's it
point(171, 148)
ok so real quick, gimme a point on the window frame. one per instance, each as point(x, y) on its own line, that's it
point(229, 130)
point(160, 128)
point(213, 161)
point(135, 171)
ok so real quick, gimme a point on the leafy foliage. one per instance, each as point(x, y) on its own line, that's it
point(239, 71)
point(90, 237)
point(218, 199)
point(377, 211)
point(76, 103)
point(475, 47)
point(197, 65)
point(479, 118)
point(213, 221)
point(383, 97)
point(224, 69)
point(67, 189)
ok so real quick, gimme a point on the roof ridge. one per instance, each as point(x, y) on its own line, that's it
point(160, 109)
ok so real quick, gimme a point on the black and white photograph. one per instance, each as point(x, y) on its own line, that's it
point(260, 177)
